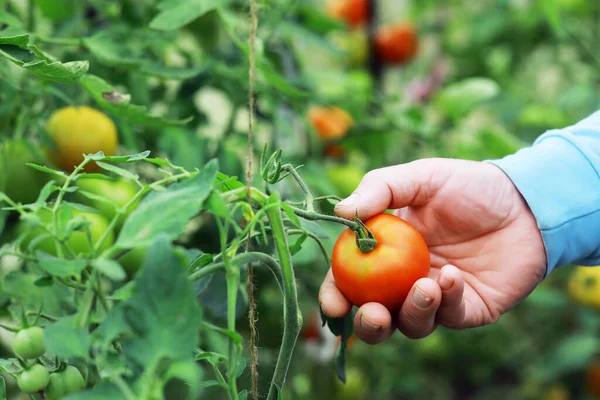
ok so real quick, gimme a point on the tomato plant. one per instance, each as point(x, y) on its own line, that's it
point(29, 342)
point(385, 274)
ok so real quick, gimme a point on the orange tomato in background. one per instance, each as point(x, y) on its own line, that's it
point(397, 44)
point(352, 12)
point(386, 274)
point(330, 122)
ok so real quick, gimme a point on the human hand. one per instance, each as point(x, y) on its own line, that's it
point(487, 252)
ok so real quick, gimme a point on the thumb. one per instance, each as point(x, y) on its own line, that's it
point(411, 184)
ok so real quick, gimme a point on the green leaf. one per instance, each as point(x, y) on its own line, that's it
point(573, 353)
point(18, 50)
point(177, 13)
point(291, 215)
point(10, 365)
point(176, 206)
point(109, 51)
point(314, 228)
point(124, 292)
point(297, 246)
point(459, 98)
point(118, 104)
point(64, 339)
point(188, 372)
point(105, 390)
point(47, 170)
point(119, 171)
point(60, 267)
point(164, 297)
point(217, 205)
point(109, 268)
point(200, 261)
point(171, 73)
point(340, 327)
point(225, 183)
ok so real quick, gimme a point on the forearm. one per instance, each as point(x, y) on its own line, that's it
point(559, 177)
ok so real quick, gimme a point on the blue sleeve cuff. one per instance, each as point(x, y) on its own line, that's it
point(559, 178)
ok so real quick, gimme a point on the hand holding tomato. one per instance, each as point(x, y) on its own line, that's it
point(486, 250)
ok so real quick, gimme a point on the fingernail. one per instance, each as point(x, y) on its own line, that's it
point(445, 282)
point(348, 201)
point(420, 299)
point(367, 326)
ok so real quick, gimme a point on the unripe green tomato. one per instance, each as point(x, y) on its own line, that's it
point(133, 260)
point(73, 380)
point(77, 241)
point(34, 379)
point(119, 191)
point(345, 178)
point(28, 343)
point(356, 386)
point(56, 387)
point(18, 181)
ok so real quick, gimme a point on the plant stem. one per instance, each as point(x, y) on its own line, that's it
point(310, 201)
point(291, 311)
point(243, 258)
point(86, 307)
point(259, 199)
point(31, 15)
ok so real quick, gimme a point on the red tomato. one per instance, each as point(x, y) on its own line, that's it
point(397, 44)
point(386, 274)
point(352, 12)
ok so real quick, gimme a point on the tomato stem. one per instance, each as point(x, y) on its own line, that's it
point(365, 240)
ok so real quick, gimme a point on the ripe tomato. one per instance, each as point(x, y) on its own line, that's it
point(397, 44)
point(14, 154)
point(386, 274)
point(584, 286)
point(77, 131)
point(119, 191)
point(352, 12)
point(330, 123)
point(78, 241)
point(34, 379)
point(29, 342)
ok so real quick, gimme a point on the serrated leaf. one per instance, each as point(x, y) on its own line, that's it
point(110, 52)
point(65, 340)
point(177, 13)
point(109, 268)
point(291, 215)
point(176, 206)
point(49, 188)
point(17, 49)
point(60, 267)
point(164, 297)
point(225, 183)
point(314, 228)
point(81, 207)
point(119, 171)
point(47, 170)
point(118, 104)
point(171, 73)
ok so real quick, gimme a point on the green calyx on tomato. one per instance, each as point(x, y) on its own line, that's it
point(77, 241)
point(386, 274)
point(33, 379)
point(64, 382)
point(365, 241)
point(107, 196)
point(28, 343)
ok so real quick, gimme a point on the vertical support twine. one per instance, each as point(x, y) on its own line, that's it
point(375, 66)
point(250, 280)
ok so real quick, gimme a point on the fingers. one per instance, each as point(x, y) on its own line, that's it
point(333, 302)
point(452, 308)
point(373, 323)
point(417, 317)
point(410, 184)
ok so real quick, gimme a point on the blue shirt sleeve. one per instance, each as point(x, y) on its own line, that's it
point(559, 177)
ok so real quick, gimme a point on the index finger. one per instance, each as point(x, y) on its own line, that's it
point(394, 187)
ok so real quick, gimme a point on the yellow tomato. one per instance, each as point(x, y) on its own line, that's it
point(80, 130)
point(584, 286)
